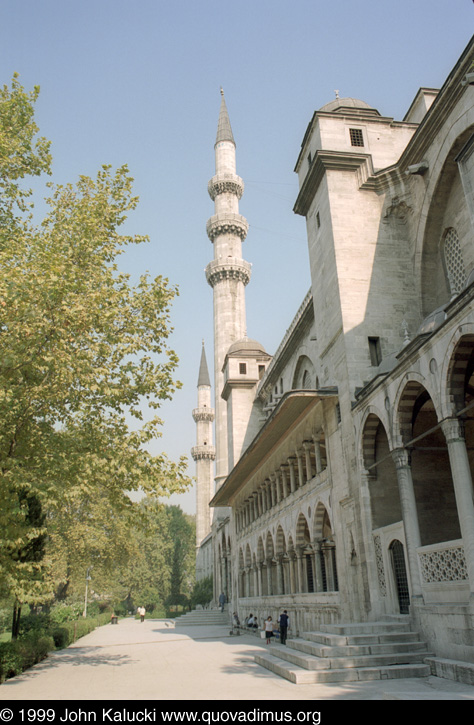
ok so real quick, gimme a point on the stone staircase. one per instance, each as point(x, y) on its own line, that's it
point(347, 653)
point(202, 617)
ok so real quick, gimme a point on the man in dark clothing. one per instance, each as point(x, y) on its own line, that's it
point(284, 622)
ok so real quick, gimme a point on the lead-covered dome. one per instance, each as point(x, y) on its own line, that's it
point(247, 347)
point(354, 104)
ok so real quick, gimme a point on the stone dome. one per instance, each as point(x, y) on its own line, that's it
point(354, 103)
point(246, 346)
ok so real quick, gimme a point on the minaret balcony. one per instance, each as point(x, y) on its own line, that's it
point(227, 223)
point(200, 453)
point(232, 268)
point(203, 414)
point(225, 184)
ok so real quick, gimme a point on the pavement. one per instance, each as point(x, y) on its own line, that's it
point(158, 660)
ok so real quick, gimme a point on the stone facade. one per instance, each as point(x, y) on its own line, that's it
point(349, 496)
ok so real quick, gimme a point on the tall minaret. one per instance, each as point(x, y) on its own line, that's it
point(228, 273)
point(204, 454)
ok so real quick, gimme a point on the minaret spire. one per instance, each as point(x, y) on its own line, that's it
point(224, 129)
point(204, 454)
point(228, 273)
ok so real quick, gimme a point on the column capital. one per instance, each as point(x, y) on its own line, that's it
point(401, 458)
point(453, 429)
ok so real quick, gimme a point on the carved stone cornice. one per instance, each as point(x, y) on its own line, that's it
point(331, 160)
point(225, 184)
point(203, 414)
point(232, 268)
point(227, 223)
point(200, 453)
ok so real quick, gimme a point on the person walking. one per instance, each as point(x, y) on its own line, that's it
point(269, 629)
point(142, 612)
point(221, 601)
point(284, 622)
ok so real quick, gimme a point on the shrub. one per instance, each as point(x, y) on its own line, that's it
point(17, 656)
point(62, 612)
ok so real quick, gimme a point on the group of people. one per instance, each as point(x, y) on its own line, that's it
point(268, 626)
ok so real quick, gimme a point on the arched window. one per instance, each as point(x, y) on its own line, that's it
point(454, 262)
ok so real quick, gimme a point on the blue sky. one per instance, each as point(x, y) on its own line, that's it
point(138, 83)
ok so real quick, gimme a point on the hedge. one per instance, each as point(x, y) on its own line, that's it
point(34, 645)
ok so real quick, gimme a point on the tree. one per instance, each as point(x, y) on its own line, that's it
point(182, 560)
point(83, 352)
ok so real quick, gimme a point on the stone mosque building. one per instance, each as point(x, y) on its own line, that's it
point(340, 485)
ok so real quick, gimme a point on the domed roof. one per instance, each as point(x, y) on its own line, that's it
point(433, 320)
point(346, 103)
point(246, 346)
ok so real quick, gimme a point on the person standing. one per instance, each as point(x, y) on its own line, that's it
point(221, 601)
point(284, 622)
point(142, 612)
point(269, 629)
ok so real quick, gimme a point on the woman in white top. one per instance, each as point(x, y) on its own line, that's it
point(269, 629)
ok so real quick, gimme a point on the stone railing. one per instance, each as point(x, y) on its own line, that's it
point(444, 562)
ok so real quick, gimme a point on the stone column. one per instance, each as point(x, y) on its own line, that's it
point(318, 582)
point(371, 591)
point(272, 489)
point(276, 478)
point(292, 572)
point(280, 584)
point(307, 454)
point(453, 430)
point(259, 579)
point(269, 577)
point(300, 573)
point(268, 493)
point(284, 481)
point(410, 517)
point(291, 468)
point(317, 452)
point(299, 457)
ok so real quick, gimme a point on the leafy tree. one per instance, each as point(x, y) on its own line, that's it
point(82, 352)
point(182, 560)
point(203, 592)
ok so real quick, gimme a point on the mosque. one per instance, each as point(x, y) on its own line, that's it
point(340, 484)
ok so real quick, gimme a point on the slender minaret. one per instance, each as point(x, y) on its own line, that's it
point(228, 273)
point(204, 454)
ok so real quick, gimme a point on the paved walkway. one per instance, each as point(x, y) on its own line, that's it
point(158, 661)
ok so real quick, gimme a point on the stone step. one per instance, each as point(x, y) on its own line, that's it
point(319, 650)
point(364, 628)
point(312, 662)
point(200, 617)
point(301, 676)
point(339, 640)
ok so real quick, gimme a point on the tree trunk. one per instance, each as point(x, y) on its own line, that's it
point(16, 620)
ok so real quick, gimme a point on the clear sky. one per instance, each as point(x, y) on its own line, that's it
point(138, 83)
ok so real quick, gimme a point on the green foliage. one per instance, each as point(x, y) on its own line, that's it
point(161, 567)
point(83, 351)
point(18, 655)
point(62, 612)
point(203, 591)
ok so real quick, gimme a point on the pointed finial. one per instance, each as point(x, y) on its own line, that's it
point(224, 130)
point(406, 336)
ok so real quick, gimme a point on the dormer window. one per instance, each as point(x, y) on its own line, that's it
point(357, 137)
